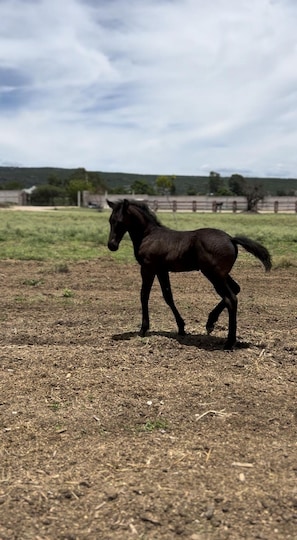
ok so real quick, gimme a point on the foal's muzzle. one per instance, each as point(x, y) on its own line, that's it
point(113, 245)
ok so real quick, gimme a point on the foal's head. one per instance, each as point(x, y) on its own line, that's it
point(127, 216)
point(118, 223)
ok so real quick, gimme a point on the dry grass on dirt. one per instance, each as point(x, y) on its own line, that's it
point(105, 435)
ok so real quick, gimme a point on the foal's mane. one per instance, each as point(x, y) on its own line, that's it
point(145, 210)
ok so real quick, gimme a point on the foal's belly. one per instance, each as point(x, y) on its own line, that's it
point(180, 261)
point(181, 265)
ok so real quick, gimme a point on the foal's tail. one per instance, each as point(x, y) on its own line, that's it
point(256, 249)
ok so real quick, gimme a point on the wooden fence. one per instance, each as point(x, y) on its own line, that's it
point(200, 203)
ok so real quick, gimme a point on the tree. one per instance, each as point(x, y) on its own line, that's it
point(142, 187)
point(121, 190)
point(54, 180)
point(79, 173)
point(95, 180)
point(191, 191)
point(76, 185)
point(82, 180)
point(46, 195)
point(253, 193)
point(224, 191)
point(165, 185)
point(215, 183)
point(237, 184)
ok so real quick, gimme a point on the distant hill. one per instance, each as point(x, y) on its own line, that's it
point(30, 176)
point(26, 177)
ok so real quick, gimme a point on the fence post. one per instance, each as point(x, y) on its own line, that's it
point(174, 206)
point(275, 207)
point(194, 206)
point(156, 206)
point(296, 207)
point(214, 206)
point(234, 207)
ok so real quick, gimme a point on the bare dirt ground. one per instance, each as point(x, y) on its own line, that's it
point(105, 435)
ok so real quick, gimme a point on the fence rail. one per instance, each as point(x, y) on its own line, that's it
point(200, 203)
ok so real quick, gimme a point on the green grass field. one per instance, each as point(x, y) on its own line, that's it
point(70, 235)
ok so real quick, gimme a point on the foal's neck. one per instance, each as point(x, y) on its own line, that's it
point(140, 227)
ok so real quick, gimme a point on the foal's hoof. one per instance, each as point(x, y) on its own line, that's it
point(181, 332)
point(229, 346)
point(142, 332)
point(209, 328)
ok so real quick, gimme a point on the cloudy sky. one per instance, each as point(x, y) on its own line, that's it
point(150, 86)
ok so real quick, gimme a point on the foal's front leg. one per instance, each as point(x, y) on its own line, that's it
point(147, 281)
point(163, 278)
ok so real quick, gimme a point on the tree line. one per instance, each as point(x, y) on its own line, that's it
point(64, 191)
point(59, 190)
point(60, 187)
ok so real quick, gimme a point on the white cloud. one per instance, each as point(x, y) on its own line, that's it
point(162, 86)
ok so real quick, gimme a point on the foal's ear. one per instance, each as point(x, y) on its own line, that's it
point(125, 204)
point(110, 203)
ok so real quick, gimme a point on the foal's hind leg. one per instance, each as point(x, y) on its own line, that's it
point(163, 278)
point(231, 303)
point(216, 312)
point(214, 315)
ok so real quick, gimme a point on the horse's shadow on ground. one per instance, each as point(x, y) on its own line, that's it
point(201, 341)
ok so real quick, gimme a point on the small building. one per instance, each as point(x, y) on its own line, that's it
point(19, 197)
point(12, 197)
